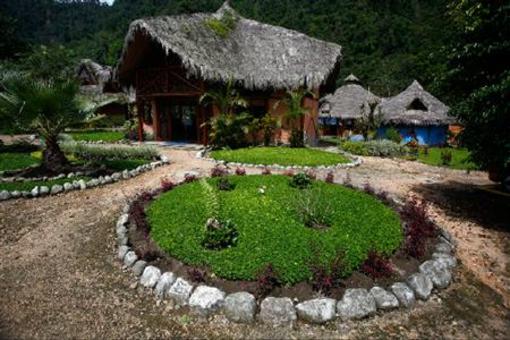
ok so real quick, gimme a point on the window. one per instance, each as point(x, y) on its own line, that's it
point(417, 104)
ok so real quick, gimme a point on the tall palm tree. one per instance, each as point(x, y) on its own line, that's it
point(227, 98)
point(47, 107)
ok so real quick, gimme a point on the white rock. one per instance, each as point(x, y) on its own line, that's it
point(449, 260)
point(421, 285)
point(384, 299)
point(35, 192)
point(68, 186)
point(139, 267)
point(150, 276)
point(180, 291)
point(356, 304)
point(165, 282)
point(206, 300)
point(130, 258)
point(123, 250)
point(317, 310)
point(4, 195)
point(56, 189)
point(438, 273)
point(240, 307)
point(15, 194)
point(277, 311)
point(404, 294)
point(82, 184)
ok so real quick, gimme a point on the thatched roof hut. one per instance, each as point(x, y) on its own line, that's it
point(222, 46)
point(92, 76)
point(414, 107)
point(349, 101)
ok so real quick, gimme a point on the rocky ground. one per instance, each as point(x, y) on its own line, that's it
point(59, 276)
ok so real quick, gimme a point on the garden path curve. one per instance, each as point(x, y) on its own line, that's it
point(59, 276)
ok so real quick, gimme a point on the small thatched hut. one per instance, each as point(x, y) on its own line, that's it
point(417, 114)
point(339, 111)
point(104, 98)
point(173, 60)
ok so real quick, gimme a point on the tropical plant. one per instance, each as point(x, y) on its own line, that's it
point(268, 125)
point(393, 135)
point(295, 113)
point(370, 120)
point(47, 106)
point(313, 210)
point(227, 98)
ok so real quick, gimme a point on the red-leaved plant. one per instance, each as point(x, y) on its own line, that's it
point(219, 171)
point(167, 185)
point(189, 178)
point(312, 174)
point(266, 171)
point(267, 280)
point(419, 228)
point(197, 275)
point(330, 177)
point(289, 173)
point(240, 171)
point(376, 266)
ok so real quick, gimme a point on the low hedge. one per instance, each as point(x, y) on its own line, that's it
point(95, 152)
point(377, 148)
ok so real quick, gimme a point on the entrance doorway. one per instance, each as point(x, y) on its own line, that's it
point(179, 119)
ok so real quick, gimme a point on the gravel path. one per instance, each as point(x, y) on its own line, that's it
point(59, 276)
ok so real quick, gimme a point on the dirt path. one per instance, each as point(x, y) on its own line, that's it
point(59, 276)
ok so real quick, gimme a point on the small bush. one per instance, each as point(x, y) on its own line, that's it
point(225, 184)
point(267, 280)
point(377, 148)
point(266, 171)
point(419, 228)
point(330, 177)
point(219, 171)
point(376, 266)
point(393, 135)
point(196, 275)
point(241, 172)
point(301, 181)
point(220, 235)
point(326, 277)
point(296, 138)
point(167, 185)
point(109, 152)
point(190, 178)
point(446, 157)
point(314, 211)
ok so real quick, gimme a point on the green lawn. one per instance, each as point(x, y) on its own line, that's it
point(28, 186)
point(460, 158)
point(280, 155)
point(94, 136)
point(270, 230)
point(17, 160)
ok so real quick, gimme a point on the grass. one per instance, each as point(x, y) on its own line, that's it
point(280, 155)
point(28, 186)
point(460, 158)
point(17, 160)
point(270, 230)
point(94, 136)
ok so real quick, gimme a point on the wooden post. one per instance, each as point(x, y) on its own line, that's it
point(155, 119)
point(310, 122)
point(140, 112)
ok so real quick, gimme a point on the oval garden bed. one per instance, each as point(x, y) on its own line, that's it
point(290, 237)
point(282, 157)
point(89, 166)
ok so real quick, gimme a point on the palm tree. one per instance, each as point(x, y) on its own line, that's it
point(227, 98)
point(47, 107)
point(295, 113)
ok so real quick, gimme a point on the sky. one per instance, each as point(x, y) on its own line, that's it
point(108, 1)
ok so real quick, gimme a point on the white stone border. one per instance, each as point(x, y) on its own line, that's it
point(40, 191)
point(355, 161)
point(241, 307)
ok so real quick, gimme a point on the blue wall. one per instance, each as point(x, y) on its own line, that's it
point(426, 135)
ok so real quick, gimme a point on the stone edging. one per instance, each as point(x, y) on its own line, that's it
point(242, 307)
point(40, 191)
point(355, 161)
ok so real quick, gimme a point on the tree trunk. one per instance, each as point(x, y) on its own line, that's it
point(54, 159)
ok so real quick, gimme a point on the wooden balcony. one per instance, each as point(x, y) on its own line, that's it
point(165, 82)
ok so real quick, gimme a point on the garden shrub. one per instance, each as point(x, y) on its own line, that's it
point(419, 228)
point(314, 211)
point(109, 152)
point(225, 184)
point(267, 280)
point(220, 235)
point(301, 181)
point(446, 157)
point(393, 135)
point(296, 138)
point(377, 266)
point(377, 148)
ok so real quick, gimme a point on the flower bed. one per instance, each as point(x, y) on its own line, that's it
point(275, 238)
point(283, 158)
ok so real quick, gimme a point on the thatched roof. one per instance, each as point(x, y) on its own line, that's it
point(254, 55)
point(349, 101)
point(414, 106)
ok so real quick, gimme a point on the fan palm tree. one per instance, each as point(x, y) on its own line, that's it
point(47, 107)
point(227, 99)
point(295, 112)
